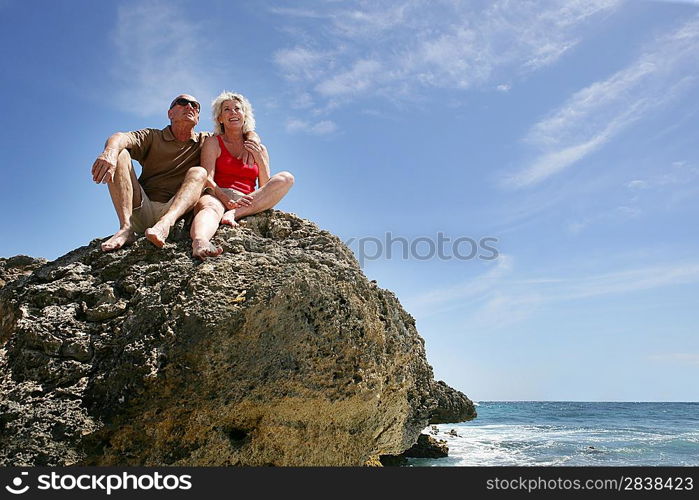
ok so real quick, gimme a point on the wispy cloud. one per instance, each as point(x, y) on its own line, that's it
point(688, 2)
point(668, 186)
point(678, 173)
point(301, 63)
point(599, 112)
point(629, 281)
point(469, 289)
point(637, 184)
point(499, 297)
point(322, 127)
point(158, 55)
point(381, 48)
point(362, 76)
point(677, 357)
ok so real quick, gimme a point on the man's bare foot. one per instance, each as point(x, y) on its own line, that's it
point(158, 233)
point(121, 238)
point(201, 249)
point(229, 218)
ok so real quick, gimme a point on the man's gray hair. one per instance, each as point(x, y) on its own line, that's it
point(217, 104)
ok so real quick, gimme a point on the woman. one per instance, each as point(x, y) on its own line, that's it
point(231, 192)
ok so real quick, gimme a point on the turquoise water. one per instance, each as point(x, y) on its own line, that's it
point(573, 434)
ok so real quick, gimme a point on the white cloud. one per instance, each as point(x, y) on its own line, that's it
point(637, 184)
point(594, 115)
point(301, 63)
point(553, 162)
point(392, 50)
point(296, 12)
point(322, 127)
point(359, 78)
point(158, 57)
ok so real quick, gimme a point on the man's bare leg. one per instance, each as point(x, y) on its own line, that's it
point(185, 199)
point(266, 197)
point(208, 214)
point(125, 194)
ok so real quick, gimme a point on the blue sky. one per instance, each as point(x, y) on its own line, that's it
point(565, 129)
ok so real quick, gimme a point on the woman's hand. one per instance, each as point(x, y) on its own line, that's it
point(245, 201)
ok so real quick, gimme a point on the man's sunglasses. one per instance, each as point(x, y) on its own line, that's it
point(183, 102)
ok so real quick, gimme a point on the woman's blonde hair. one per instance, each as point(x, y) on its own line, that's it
point(217, 104)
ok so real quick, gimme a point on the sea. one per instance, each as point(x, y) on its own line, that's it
point(564, 433)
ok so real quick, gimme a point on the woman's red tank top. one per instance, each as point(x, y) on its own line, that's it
point(233, 173)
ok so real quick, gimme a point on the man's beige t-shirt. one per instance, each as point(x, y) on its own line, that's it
point(164, 159)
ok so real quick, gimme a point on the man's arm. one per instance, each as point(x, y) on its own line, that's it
point(105, 165)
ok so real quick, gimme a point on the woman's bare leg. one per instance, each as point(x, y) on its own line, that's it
point(266, 197)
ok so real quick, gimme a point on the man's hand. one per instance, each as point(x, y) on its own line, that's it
point(254, 148)
point(247, 157)
point(104, 167)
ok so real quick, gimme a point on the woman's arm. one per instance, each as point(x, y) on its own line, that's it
point(261, 156)
point(209, 154)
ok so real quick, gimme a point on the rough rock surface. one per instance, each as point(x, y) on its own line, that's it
point(427, 447)
point(278, 352)
point(452, 406)
point(19, 265)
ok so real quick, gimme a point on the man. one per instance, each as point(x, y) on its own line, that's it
point(171, 180)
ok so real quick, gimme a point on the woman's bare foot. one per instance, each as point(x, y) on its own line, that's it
point(229, 218)
point(158, 233)
point(201, 249)
point(121, 238)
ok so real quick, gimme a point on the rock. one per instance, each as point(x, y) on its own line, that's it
point(452, 406)
point(17, 266)
point(392, 460)
point(278, 352)
point(427, 447)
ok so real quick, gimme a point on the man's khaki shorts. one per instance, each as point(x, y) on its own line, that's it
point(148, 213)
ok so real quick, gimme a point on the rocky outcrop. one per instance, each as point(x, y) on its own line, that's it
point(425, 447)
point(452, 405)
point(19, 265)
point(278, 352)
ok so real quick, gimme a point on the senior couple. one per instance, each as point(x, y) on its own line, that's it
point(222, 177)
